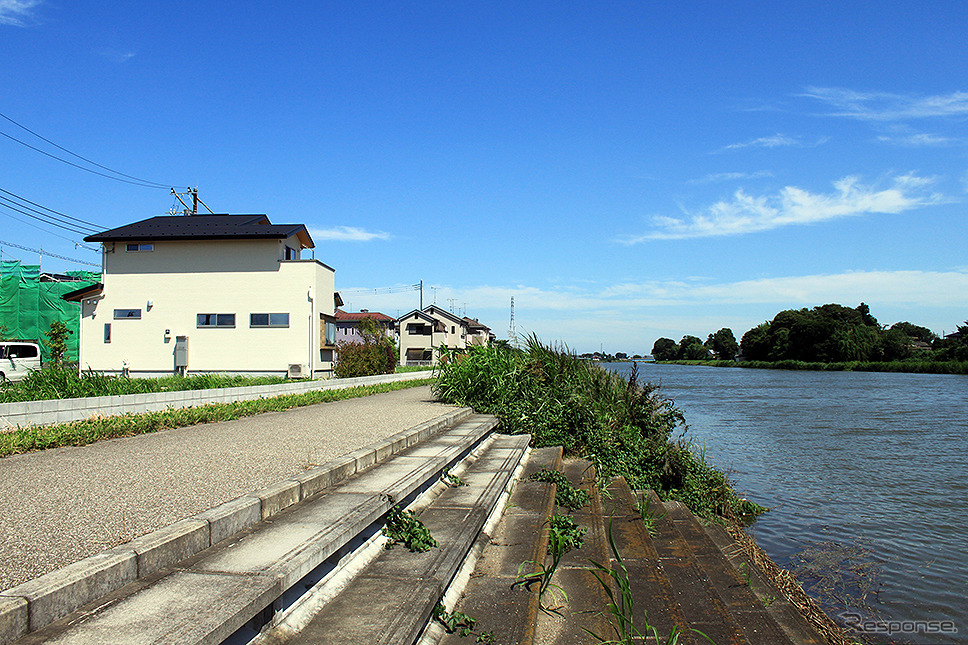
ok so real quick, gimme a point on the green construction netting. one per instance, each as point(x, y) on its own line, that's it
point(28, 306)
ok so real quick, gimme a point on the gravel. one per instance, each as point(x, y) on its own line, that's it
point(59, 506)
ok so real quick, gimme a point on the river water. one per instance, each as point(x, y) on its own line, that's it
point(866, 477)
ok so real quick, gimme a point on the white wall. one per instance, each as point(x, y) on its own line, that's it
point(183, 279)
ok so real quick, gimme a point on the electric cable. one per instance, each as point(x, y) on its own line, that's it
point(95, 227)
point(53, 255)
point(76, 243)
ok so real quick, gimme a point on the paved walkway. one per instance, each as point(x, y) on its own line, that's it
point(62, 505)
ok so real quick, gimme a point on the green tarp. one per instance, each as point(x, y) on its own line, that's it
point(28, 306)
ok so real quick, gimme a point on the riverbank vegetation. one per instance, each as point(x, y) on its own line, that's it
point(829, 337)
point(624, 426)
point(85, 431)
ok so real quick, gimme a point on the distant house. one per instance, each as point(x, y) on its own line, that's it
point(348, 325)
point(424, 331)
point(208, 293)
point(477, 333)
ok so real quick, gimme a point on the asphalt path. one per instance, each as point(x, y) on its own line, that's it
point(60, 506)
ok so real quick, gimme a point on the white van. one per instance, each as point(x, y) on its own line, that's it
point(18, 359)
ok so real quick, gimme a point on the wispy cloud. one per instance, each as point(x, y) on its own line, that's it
point(918, 140)
point(17, 12)
point(775, 141)
point(117, 55)
point(348, 234)
point(746, 213)
point(731, 176)
point(885, 106)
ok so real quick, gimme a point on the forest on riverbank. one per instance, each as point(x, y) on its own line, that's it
point(830, 336)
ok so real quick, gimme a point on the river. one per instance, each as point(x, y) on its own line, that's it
point(866, 478)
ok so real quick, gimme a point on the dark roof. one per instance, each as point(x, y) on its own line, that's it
point(204, 227)
point(84, 292)
point(351, 316)
point(473, 323)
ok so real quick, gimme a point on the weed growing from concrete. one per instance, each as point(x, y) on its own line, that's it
point(404, 527)
point(459, 623)
point(564, 534)
point(567, 495)
point(649, 517)
point(451, 480)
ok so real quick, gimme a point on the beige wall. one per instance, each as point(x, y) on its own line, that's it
point(454, 340)
point(183, 279)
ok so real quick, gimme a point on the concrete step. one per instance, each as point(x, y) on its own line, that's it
point(300, 528)
point(733, 590)
point(393, 598)
point(519, 540)
point(786, 616)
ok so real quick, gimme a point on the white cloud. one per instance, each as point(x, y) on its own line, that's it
point(117, 55)
point(885, 106)
point(918, 140)
point(746, 213)
point(348, 234)
point(731, 176)
point(775, 141)
point(17, 12)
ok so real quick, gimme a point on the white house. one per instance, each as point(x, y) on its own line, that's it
point(423, 331)
point(208, 293)
point(478, 333)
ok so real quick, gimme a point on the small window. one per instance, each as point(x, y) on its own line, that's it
point(134, 248)
point(215, 320)
point(291, 253)
point(268, 320)
point(330, 333)
point(132, 314)
point(107, 333)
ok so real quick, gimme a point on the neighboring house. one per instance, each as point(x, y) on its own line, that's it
point(208, 293)
point(348, 325)
point(477, 333)
point(422, 332)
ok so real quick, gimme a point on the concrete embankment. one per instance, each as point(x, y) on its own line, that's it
point(59, 506)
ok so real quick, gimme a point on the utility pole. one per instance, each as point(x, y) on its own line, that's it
point(512, 336)
point(421, 295)
point(195, 202)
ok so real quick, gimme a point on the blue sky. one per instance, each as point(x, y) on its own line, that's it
point(625, 170)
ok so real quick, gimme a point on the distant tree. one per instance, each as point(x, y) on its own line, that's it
point(691, 349)
point(915, 332)
point(621, 356)
point(755, 344)
point(57, 342)
point(723, 343)
point(664, 349)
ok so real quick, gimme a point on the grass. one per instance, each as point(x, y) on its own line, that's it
point(66, 383)
point(564, 534)
point(566, 494)
point(404, 527)
point(625, 427)
point(79, 433)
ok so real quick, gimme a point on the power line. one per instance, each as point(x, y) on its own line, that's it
point(128, 179)
point(92, 225)
point(43, 217)
point(384, 290)
point(53, 255)
point(73, 241)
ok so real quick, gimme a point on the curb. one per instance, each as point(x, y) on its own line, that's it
point(38, 602)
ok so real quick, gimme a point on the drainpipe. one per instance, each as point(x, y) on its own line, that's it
point(312, 312)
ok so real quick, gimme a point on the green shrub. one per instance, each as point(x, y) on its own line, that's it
point(375, 355)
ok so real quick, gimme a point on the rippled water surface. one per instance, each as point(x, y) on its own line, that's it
point(865, 475)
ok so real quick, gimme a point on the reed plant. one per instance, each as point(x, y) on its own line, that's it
point(626, 427)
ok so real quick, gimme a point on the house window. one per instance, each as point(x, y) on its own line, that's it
point(268, 320)
point(415, 329)
point(122, 314)
point(139, 247)
point(330, 333)
point(107, 333)
point(215, 320)
point(291, 253)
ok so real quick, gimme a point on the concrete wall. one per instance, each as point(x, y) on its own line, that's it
point(184, 279)
point(40, 413)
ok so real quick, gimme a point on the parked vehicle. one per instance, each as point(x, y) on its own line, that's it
point(18, 359)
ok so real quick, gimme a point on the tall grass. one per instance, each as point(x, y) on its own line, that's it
point(66, 383)
point(626, 427)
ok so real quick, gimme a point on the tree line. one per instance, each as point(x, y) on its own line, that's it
point(829, 333)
